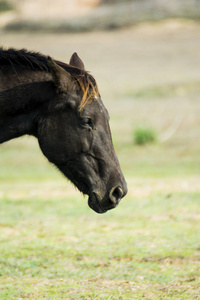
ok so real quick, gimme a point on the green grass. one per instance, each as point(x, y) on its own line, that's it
point(143, 136)
point(54, 247)
point(57, 248)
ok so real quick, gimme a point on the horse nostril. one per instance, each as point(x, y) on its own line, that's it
point(116, 194)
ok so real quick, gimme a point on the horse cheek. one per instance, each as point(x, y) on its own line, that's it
point(85, 142)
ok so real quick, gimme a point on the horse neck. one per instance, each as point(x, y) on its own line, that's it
point(21, 100)
point(21, 90)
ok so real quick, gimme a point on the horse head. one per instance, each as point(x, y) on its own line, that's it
point(74, 134)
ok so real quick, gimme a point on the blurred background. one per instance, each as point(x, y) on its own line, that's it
point(145, 56)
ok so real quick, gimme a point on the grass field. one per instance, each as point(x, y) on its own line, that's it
point(52, 246)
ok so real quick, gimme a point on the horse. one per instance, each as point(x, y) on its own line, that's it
point(60, 105)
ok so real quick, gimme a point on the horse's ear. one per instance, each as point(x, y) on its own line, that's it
point(61, 77)
point(75, 61)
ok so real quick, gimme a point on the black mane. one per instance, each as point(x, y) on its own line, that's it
point(33, 61)
point(36, 61)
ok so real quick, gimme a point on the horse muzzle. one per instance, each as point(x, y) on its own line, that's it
point(102, 205)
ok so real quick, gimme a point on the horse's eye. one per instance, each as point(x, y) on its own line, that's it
point(86, 122)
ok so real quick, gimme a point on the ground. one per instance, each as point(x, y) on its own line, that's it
point(52, 245)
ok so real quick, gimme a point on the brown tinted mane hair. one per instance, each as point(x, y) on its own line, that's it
point(35, 61)
point(86, 82)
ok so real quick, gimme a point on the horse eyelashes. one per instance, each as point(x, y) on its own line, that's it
point(86, 122)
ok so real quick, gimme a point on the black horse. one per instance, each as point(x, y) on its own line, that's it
point(61, 106)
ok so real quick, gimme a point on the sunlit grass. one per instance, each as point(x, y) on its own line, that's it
point(53, 245)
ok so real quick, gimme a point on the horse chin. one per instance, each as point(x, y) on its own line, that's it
point(94, 203)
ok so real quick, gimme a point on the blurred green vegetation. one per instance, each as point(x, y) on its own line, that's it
point(143, 136)
point(5, 6)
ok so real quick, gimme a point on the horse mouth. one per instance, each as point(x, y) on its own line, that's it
point(93, 202)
